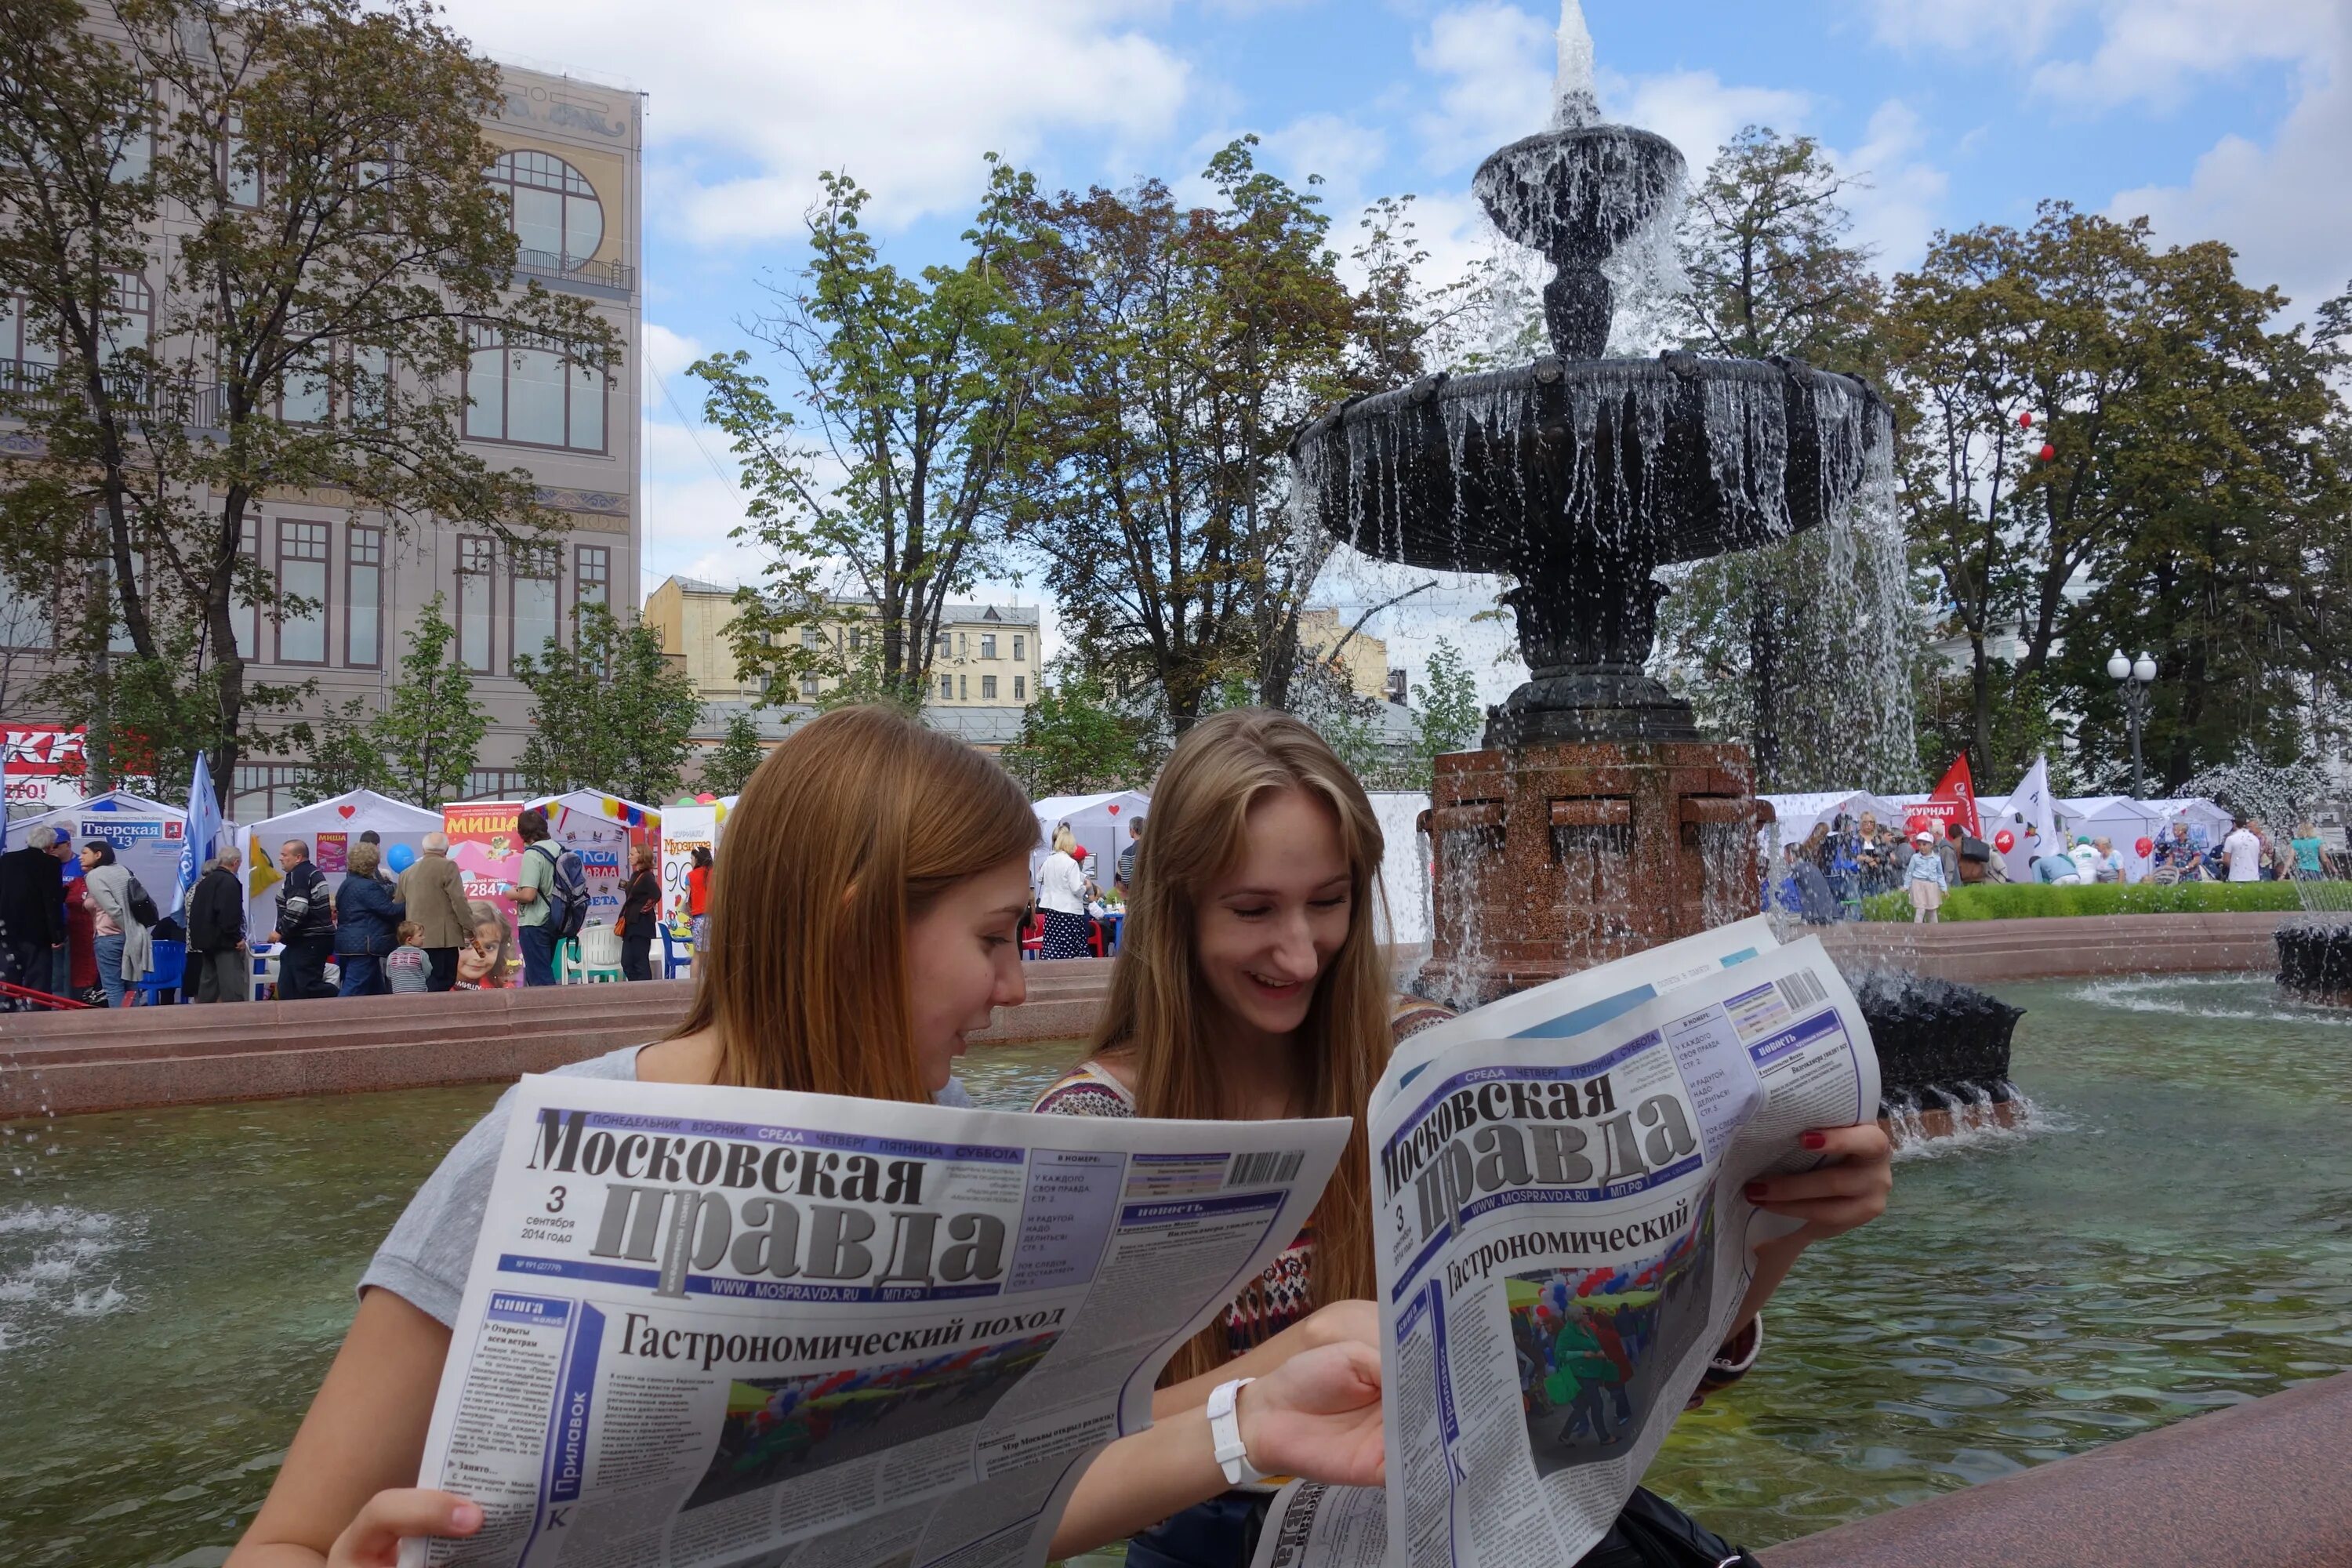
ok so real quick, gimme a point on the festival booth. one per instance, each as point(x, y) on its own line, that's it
point(688, 825)
point(2127, 823)
point(330, 827)
point(486, 848)
point(1100, 821)
point(1404, 863)
point(2198, 812)
point(601, 829)
point(146, 836)
point(1798, 814)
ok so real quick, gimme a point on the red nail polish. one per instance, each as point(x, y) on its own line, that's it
point(1814, 1140)
point(1755, 1192)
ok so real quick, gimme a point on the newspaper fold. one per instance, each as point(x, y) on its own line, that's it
point(1562, 1241)
point(725, 1326)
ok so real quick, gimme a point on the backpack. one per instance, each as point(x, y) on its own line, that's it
point(567, 893)
point(142, 905)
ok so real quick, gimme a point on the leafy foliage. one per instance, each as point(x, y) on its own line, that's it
point(609, 712)
point(2033, 901)
point(432, 725)
point(1447, 715)
point(729, 765)
point(1076, 739)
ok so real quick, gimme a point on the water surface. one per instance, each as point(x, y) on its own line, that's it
point(2175, 1234)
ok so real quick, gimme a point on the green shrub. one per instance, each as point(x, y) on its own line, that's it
point(2034, 901)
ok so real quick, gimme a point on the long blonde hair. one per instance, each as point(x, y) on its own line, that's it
point(845, 832)
point(1154, 1020)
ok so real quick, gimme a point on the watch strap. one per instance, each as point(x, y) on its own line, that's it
point(1226, 1433)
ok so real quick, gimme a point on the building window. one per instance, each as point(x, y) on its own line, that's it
point(242, 175)
point(964, 646)
point(475, 556)
point(260, 790)
point(496, 784)
point(531, 395)
point(988, 688)
point(963, 688)
point(558, 221)
point(533, 577)
point(301, 592)
point(939, 645)
point(1017, 655)
point(304, 395)
point(243, 620)
point(808, 689)
point(947, 688)
point(26, 619)
point(813, 637)
point(592, 570)
point(131, 320)
point(988, 645)
point(363, 597)
point(1020, 689)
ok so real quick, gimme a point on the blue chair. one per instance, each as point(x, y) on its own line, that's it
point(675, 959)
point(171, 968)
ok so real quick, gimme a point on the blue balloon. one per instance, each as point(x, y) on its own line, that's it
point(400, 857)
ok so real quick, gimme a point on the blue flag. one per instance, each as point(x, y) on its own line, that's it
point(204, 828)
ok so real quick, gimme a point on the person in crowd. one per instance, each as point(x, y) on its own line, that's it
point(1256, 988)
point(2241, 851)
point(640, 914)
point(2178, 858)
point(2085, 859)
point(2106, 865)
point(876, 870)
point(535, 884)
point(1925, 881)
point(81, 938)
point(407, 968)
point(33, 912)
point(1122, 874)
point(126, 949)
point(1948, 849)
point(2057, 870)
point(698, 903)
point(1870, 855)
point(367, 923)
point(1805, 891)
point(218, 954)
point(486, 960)
point(2310, 853)
point(1842, 863)
point(372, 838)
point(1896, 853)
point(306, 925)
point(432, 892)
point(1062, 898)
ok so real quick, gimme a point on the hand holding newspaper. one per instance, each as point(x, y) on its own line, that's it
point(1562, 1240)
point(732, 1326)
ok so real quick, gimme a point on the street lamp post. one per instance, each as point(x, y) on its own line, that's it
point(2134, 677)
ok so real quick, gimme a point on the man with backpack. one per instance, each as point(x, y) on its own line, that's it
point(306, 924)
point(550, 898)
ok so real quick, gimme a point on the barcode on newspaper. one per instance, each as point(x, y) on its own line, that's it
point(1803, 990)
point(1262, 1170)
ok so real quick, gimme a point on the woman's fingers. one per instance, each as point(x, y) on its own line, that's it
point(1850, 1191)
point(372, 1538)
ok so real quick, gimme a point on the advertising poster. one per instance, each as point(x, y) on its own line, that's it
point(487, 850)
point(332, 851)
point(43, 769)
point(603, 845)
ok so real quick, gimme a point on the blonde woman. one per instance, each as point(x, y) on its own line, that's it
point(1062, 898)
point(877, 875)
point(1253, 987)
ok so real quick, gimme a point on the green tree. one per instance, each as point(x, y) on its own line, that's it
point(432, 724)
point(1446, 715)
point(1186, 346)
point(728, 766)
point(916, 392)
point(307, 326)
point(609, 712)
point(1077, 739)
point(343, 754)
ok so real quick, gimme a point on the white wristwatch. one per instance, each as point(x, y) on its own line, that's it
point(1226, 1433)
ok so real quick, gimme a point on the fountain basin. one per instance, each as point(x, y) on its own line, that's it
point(2315, 961)
point(1578, 194)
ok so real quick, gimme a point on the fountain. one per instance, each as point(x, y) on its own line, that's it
point(1597, 820)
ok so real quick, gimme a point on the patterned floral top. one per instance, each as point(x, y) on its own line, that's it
point(1282, 1295)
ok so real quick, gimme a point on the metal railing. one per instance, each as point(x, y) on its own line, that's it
point(571, 268)
point(31, 386)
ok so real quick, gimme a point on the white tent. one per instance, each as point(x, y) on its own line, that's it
point(2198, 812)
point(1797, 813)
point(329, 828)
point(2118, 817)
point(146, 836)
point(1101, 822)
point(599, 829)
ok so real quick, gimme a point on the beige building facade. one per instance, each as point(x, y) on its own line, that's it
point(1365, 658)
point(571, 166)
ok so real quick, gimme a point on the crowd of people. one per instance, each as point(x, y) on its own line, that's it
point(1072, 915)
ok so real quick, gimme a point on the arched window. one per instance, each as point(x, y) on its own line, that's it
point(557, 217)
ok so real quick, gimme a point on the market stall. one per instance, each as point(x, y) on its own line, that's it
point(145, 834)
point(602, 829)
point(329, 828)
point(1100, 821)
point(2124, 822)
point(688, 825)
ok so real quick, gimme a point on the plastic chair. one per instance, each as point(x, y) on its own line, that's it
point(1033, 938)
point(599, 953)
point(567, 961)
point(675, 958)
point(171, 968)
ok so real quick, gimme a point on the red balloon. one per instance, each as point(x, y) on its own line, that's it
point(1920, 824)
point(2004, 841)
point(2049, 452)
point(2143, 847)
point(2025, 421)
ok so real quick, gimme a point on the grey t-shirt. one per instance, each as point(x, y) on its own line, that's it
point(425, 1258)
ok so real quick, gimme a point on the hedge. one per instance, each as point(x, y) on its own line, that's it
point(2030, 900)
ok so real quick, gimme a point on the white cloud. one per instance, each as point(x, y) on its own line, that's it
point(1696, 111)
point(1897, 195)
point(2156, 50)
point(1494, 64)
point(750, 100)
point(2015, 29)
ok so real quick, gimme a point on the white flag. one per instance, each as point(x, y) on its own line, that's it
point(2031, 801)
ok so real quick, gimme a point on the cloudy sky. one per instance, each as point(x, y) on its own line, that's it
point(2227, 118)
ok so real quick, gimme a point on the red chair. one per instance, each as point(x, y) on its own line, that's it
point(1033, 938)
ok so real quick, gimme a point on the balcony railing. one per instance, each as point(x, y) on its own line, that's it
point(572, 269)
point(31, 386)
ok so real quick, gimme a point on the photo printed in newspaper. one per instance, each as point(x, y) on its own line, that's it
point(1562, 1244)
point(725, 1326)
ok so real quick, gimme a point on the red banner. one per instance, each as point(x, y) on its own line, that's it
point(44, 768)
point(1954, 800)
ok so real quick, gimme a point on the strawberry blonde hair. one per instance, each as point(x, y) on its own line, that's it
point(848, 831)
point(1154, 1022)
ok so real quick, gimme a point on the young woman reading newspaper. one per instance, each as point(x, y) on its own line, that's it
point(877, 875)
point(1251, 986)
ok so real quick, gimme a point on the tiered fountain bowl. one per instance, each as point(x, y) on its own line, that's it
point(1596, 821)
point(2315, 960)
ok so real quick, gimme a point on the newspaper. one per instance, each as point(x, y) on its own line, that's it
point(731, 1326)
point(1562, 1243)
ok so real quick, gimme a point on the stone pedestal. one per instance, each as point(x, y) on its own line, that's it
point(1550, 858)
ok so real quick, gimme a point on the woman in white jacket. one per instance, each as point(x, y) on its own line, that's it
point(1062, 898)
